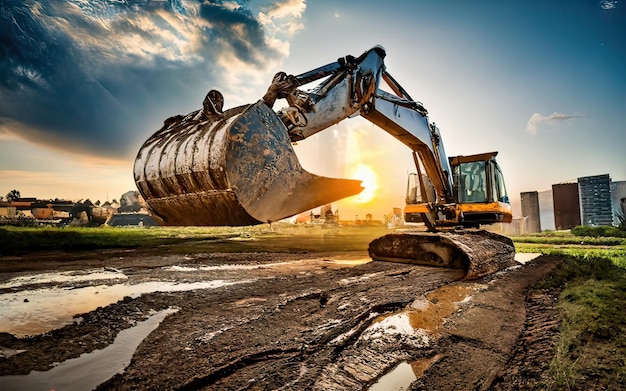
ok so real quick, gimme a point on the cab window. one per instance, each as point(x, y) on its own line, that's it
point(500, 188)
point(472, 183)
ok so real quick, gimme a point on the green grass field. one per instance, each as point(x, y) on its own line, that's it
point(591, 350)
point(261, 238)
point(580, 247)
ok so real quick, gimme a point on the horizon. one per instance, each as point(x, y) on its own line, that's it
point(541, 82)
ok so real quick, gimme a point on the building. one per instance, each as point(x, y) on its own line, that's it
point(546, 210)
point(530, 210)
point(566, 205)
point(618, 200)
point(595, 200)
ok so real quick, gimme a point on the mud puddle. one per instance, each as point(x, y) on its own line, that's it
point(428, 313)
point(38, 303)
point(525, 257)
point(423, 319)
point(405, 373)
point(90, 369)
point(399, 378)
point(31, 312)
point(69, 277)
point(288, 266)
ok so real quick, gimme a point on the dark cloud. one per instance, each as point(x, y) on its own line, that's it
point(237, 27)
point(97, 75)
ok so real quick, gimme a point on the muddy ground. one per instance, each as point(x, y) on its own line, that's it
point(301, 321)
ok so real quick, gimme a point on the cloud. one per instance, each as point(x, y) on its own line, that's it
point(100, 75)
point(608, 4)
point(537, 120)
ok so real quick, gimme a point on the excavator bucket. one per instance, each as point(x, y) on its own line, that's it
point(230, 169)
point(477, 252)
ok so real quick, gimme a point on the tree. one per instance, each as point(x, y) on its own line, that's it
point(13, 195)
point(621, 221)
point(621, 217)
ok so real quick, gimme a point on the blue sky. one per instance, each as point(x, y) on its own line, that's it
point(84, 83)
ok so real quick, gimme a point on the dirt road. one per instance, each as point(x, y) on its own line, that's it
point(322, 321)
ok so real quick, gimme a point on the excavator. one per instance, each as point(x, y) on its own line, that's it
point(237, 167)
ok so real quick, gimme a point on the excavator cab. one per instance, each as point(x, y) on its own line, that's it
point(479, 194)
point(478, 185)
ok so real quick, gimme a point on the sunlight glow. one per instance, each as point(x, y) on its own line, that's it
point(370, 183)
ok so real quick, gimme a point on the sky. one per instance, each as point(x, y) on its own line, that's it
point(83, 83)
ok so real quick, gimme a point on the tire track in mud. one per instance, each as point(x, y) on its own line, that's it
point(263, 338)
point(307, 328)
point(535, 348)
point(489, 336)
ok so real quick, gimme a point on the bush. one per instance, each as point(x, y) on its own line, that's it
point(604, 231)
point(622, 221)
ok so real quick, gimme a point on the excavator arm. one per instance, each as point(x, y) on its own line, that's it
point(238, 167)
point(352, 87)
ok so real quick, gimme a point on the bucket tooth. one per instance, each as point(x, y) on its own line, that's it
point(238, 168)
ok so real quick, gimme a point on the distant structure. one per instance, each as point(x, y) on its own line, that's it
point(35, 212)
point(618, 200)
point(591, 200)
point(530, 210)
point(566, 205)
point(130, 202)
point(595, 200)
point(546, 210)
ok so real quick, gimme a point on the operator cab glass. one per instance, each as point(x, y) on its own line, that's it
point(480, 182)
point(499, 189)
point(472, 182)
point(412, 190)
point(414, 193)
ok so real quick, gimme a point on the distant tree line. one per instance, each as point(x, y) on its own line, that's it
point(13, 195)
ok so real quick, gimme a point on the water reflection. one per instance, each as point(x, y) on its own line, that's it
point(64, 277)
point(399, 378)
point(37, 311)
point(90, 369)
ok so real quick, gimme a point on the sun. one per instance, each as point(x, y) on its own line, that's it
point(369, 180)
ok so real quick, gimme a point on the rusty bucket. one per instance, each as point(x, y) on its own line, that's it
point(238, 168)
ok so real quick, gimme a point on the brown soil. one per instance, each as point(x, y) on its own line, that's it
point(304, 324)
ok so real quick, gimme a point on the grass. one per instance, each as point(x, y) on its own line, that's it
point(27, 239)
point(580, 247)
point(260, 238)
point(591, 350)
point(572, 240)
